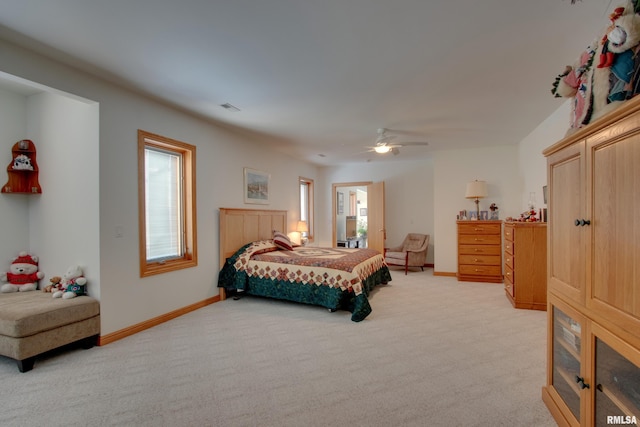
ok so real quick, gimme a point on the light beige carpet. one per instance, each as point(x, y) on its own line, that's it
point(434, 352)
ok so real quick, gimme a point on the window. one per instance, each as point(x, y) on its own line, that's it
point(167, 204)
point(306, 204)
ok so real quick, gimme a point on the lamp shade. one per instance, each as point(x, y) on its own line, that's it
point(302, 227)
point(476, 189)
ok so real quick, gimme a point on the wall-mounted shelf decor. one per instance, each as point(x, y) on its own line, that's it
point(23, 169)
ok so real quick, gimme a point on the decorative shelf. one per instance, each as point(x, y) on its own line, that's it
point(23, 169)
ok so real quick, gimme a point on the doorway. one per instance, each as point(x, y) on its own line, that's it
point(358, 215)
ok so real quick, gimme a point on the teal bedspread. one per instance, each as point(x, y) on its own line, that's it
point(335, 278)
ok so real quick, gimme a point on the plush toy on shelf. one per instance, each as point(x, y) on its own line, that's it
point(23, 274)
point(54, 284)
point(607, 73)
point(73, 284)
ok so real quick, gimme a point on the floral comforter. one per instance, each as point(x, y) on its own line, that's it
point(335, 278)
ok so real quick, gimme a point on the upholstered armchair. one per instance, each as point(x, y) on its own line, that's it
point(412, 252)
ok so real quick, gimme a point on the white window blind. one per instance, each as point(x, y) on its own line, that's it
point(304, 201)
point(163, 200)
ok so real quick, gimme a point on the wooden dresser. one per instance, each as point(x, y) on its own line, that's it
point(593, 369)
point(480, 251)
point(525, 264)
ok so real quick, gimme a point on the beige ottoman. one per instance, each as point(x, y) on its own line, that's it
point(33, 322)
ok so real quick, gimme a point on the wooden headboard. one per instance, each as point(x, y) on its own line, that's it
point(241, 226)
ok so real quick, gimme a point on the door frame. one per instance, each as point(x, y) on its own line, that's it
point(334, 208)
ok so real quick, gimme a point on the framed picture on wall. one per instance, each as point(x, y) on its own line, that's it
point(256, 186)
point(340, 203)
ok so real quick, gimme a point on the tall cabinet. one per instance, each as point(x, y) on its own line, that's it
point(593, 274)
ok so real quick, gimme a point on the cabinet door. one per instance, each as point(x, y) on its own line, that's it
point(566, 247)
point(567, 351)
point(617, 380)
point(614, 174)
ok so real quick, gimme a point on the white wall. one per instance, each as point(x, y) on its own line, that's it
point(453, 170)
point(64, 220)
point(531, 161)
point(14, 227)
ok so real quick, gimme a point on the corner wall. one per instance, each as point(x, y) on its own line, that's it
point(14, 227)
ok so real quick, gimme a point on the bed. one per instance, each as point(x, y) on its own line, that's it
point(334, 278)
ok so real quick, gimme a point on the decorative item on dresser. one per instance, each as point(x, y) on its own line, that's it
point(480, 251)
point(593, 368)
point(525, 264)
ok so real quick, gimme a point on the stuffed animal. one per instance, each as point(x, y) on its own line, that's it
point(22, 162)
point(607, 73)
point(23, 274)
point(54, 284)
point(73, 284)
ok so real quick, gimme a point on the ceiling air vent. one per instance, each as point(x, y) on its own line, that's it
point(229, 107)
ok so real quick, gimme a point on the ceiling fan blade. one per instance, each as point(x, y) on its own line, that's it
point(413, 144)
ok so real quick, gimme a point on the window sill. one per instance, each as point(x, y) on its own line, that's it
point(165, 267)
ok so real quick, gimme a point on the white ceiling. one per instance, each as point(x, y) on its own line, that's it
point(321, 76)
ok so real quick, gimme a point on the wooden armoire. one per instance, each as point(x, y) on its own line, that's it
point(593, 272)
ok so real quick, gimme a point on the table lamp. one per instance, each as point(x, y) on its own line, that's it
point(476, 190)
point(302, 228)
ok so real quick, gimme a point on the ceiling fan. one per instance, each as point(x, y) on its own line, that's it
point(384, 145)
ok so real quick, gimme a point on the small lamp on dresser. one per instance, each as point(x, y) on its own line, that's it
point(476, 190)
point(302, 228)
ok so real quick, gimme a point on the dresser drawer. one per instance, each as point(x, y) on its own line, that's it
point(508, 285)
point(481, 270)
point(508, 260)
point(479, 250)
point(475, 239)
point(508, 232)
point(479, 228)
point(509, 247)
point(480, 259)
point(509, 275)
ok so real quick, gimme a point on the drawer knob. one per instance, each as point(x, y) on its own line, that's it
point(582, 222)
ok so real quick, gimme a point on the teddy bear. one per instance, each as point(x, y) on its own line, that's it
point(73, 284)
point(23, 274)
point(54, 284)
point(607, 73)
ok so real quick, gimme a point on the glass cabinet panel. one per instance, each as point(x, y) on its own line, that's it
point(566, 360)
point(617, 395)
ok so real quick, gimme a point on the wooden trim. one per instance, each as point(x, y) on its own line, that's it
point(134, 329)
point(557, 415)
point(445, 273)
point(188, 152)
point(334, 209)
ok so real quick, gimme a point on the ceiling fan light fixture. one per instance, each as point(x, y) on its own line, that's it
point(382, 149)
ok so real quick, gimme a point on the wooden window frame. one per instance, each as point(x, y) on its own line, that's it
point(188, 153)
point(310, 208)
